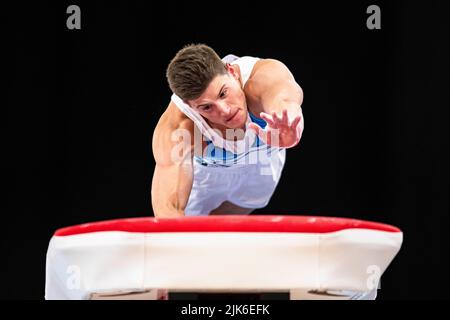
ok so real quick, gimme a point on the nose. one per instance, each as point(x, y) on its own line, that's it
point(224, 108)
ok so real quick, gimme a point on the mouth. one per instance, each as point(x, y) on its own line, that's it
point(232, 117)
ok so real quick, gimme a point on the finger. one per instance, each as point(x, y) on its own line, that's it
point(284, 117)
point(260, 132)
point(275, 117)
point(296, 121)
point(267, 118)
point(263, 114)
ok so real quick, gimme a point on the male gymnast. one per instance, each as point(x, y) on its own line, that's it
point(220, 146)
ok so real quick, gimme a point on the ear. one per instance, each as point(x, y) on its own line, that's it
point(232, 71)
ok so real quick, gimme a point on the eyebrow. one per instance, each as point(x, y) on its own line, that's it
point(220, 91)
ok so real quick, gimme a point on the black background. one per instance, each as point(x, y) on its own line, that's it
point(82, 106)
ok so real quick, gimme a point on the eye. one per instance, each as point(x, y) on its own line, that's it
point(223, 93)
point(206, 108)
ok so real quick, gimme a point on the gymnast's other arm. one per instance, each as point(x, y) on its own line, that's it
point(173, 149)
point(276, 90)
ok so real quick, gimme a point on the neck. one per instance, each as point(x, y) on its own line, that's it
point(223, 130)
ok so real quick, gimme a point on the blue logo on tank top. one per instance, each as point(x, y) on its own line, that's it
point(218, 157)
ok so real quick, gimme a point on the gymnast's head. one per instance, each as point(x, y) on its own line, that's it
point(208, 85)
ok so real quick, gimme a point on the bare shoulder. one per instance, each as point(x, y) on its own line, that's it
point(270, 70)
point(163, 139)
point(270, 78)
point(173, 119)
point(267, 75)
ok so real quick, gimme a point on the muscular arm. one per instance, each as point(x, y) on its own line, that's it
point(278, 88)
point(173, 148)
point(280, 98)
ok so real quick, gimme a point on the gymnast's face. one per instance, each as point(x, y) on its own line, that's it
point(223, 103)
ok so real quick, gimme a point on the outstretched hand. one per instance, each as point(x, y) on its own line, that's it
point(288, 132)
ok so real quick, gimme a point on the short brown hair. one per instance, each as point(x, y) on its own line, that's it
point(192, 69)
